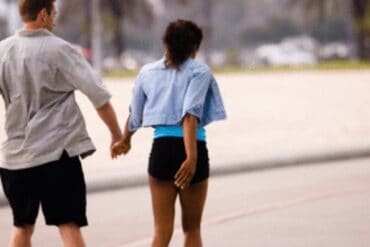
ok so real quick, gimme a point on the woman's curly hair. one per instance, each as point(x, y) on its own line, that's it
point(181, 38)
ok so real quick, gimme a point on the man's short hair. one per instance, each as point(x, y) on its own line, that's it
point(29, 9)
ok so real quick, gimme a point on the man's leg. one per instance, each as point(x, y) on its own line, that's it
point(63, 200)
point(20, 188)
point(71, 235)
point(21, 236)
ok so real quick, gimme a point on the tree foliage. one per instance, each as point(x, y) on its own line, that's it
point(360, 11)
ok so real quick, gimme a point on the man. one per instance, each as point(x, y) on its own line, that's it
point(45, 129)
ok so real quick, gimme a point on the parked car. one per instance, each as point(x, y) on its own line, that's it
point(278, 55)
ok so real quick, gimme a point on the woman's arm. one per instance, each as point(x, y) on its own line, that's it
point(134, 120)
point(187, 169)
point(123, 146)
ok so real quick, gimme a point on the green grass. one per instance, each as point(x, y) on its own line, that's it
point(322, 66)
point(120, 74)
point(343, 65)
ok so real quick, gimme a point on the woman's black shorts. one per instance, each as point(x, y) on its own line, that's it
point(167, 155)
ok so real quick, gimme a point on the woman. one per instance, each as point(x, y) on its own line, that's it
point(177, 96)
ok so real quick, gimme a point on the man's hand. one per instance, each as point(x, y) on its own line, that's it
point(115, 139)
point(185, 174)
point(122, 146)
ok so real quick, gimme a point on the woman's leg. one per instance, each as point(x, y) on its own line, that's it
point(163, 204)
point(192, 202)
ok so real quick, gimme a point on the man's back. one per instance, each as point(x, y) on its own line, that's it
point(45, 129)
point(25, 60)
point(39, 73)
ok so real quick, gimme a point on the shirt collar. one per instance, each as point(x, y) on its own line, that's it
point(35, 32)
point(184, 64)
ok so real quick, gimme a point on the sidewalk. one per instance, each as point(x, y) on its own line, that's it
point(327, 208)
point(302, 206)
point(274, 119)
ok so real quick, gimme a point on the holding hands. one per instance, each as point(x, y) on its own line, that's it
point(120, 147)
point(123, 144)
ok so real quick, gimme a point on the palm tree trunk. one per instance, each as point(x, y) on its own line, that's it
point(361, 11)
point(96, 36)
point(207, 15)
point(363, 43)
point(118, 41)
point(87, 25)
point(349, 20)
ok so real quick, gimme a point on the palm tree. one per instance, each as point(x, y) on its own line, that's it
point(131, 9)
point(206, 10)
point(113, 13)
point(207, 14)
point(360, 11)
point(361, 16)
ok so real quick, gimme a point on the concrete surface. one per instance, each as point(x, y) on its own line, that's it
point(312, 205)
point(273, 118)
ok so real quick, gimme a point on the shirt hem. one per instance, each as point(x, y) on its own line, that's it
point(45, 159)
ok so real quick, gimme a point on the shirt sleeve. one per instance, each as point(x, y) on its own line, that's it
point(196, 93)
point(137, 105)
point(78, 73)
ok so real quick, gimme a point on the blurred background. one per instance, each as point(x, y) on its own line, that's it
point(295, 79)
point(239, 33)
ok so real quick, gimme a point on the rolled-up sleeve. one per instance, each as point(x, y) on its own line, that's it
point(196, 94)
point(78, 73)
point(137, 105)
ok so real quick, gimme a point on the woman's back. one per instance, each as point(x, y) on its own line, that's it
point(163, 95)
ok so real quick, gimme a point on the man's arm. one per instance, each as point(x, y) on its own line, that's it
point(107, 114)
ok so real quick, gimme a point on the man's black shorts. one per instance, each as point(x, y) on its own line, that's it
point(167, 155)
point(59, 187)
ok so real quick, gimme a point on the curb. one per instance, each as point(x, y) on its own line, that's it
point(141, 180)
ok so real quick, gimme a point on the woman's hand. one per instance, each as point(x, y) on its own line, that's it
point(115, 139)
point(123, 146)
point(185, 174)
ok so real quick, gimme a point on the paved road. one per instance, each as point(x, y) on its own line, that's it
point(314, 205)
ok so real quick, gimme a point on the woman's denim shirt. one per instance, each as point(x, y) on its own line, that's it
point(163, 96)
